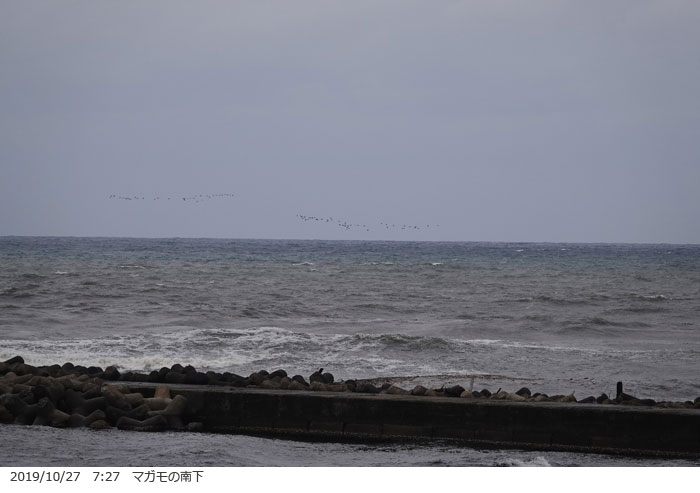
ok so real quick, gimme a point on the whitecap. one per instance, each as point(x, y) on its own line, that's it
point(654, 297)
point(304, 263)
point(538, 461)
point(60, 272)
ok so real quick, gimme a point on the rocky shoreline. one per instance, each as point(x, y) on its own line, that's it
point(76, 396)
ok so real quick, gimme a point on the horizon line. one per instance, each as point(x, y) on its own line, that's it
point(353, 240)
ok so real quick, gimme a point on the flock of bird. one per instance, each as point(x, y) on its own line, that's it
point(192, 198)
point(348, 225)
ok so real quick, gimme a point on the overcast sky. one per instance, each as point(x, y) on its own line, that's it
point(489, 120)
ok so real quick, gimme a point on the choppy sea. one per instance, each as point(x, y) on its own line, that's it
point(556, 318)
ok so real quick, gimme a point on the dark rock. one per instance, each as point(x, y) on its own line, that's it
point(96, 415)
point(394, 390)
point(46, 413)
point(294, 385)
point(476, 394)
point(162, 374)
point(175, 377)
point(454, 391)
point(278, 373)
point(135, 377)
point(485, 393)
point(189, 369)
point(113, 414)
point(524, 392)
point(15, 359)
point(177, 367)
point(48, 388)
point(156, 423)
point(601, 398)
point(327, 378)
point(199, 378)
point(270, 384)
point(111, 373)
point(195, 426)
point(257, 378)
point(90, 391)
point(99, 424)
point(351, 384)
point(94, 370)
point(385, 386)
point(55, 371)
point(76, 421)
point(4, 368)
point(22, 369)
point(300, 379)
point(115, 398)
point(76, 402)
point(239, 381)
point(317, 376)
point(588, 400)
point(5, 415)
point(623, 397)
point(68, 366)
point(210, 377)
point(366, 388)
point(80, 369)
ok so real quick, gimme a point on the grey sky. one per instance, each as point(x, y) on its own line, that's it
point(497, 120)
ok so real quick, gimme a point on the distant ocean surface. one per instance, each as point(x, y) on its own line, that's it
point(557, 318)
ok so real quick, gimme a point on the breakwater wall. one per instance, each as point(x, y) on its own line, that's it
point(350, 417)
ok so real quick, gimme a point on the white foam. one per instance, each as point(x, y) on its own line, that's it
point(538, 461)
point(654, 297)
point(60, 272)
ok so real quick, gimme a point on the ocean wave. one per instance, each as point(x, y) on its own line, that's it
point(553, 300)
point(515, 462)
point(653, 297)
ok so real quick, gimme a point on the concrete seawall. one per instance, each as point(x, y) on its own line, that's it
point(345, 416)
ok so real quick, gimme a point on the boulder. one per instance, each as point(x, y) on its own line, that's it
point(317, 376)
point(99, 424)
point(278, 373)
point(300, 379)
point(13, 360)
point(524, 392)
point(111, 373)
point(366, 388)
point(454, 391)
point(418, 390)
point(155, 423)
point(394, 390)
point(295, 385)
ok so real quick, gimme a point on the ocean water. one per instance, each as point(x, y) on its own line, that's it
point(557, 318)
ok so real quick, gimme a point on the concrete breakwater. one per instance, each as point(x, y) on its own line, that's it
point(320, 408)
